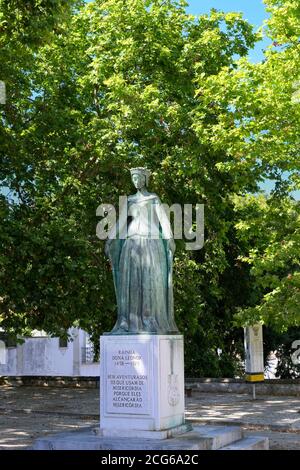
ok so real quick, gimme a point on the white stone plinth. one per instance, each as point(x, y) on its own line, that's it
point(141, 383)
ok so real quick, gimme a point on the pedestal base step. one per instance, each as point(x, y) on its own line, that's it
point(199, 438)
point(139, 434)
point(249, 443)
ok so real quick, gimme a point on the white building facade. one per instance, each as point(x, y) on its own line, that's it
point(41, 355)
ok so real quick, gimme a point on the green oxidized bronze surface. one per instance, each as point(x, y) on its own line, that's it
point(141, 254)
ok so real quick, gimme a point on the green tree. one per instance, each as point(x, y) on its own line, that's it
point(258, 118)
point(118, 84)
point(269, 228)
point(32, 22)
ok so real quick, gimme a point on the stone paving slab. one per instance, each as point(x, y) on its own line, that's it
point(274, 413)
point(278, 440)
point(30, 412)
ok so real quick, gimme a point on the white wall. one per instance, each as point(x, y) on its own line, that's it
point(41, 355)
point(8, 362)
point(90, 370)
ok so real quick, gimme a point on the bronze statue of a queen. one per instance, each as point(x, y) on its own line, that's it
point(141, 253)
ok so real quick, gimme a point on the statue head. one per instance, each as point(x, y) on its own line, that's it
point(140, 177)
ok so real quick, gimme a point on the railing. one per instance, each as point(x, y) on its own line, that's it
point(87, 355)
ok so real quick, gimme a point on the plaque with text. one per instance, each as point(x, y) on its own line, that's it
point(127, 379)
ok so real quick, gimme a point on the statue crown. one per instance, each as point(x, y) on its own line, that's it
point(143, 171)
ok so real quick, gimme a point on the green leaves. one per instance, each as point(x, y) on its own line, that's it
point(100, 87)
point(34, 21)
point(272, 240)
point(284, 22)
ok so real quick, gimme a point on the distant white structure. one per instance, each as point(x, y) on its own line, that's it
point(41, 355)
point(254, 353)
point(272, 363)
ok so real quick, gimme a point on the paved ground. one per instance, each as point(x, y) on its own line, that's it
point(29, 412)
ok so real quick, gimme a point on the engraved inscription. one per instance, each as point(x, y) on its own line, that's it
point(127, 380)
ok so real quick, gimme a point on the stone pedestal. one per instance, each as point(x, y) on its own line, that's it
point(142, 386)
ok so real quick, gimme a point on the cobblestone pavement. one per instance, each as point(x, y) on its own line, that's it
point(29, 412)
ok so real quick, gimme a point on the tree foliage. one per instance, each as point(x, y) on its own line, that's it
point(100, 87)
point(270, 232)
point(258, 117)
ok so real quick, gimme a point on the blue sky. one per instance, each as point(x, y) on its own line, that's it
point(253, 11)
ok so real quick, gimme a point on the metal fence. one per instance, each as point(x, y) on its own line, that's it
point(87, 355)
